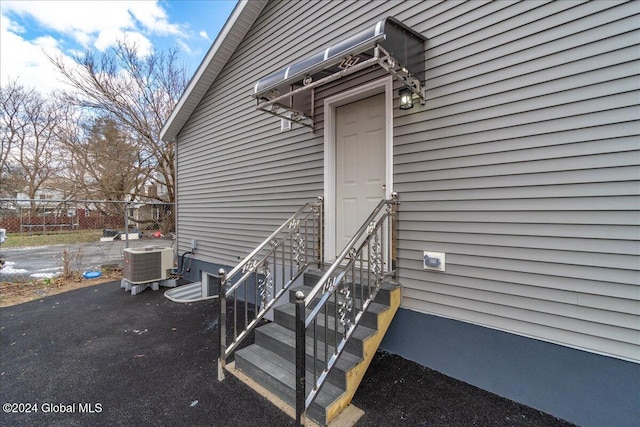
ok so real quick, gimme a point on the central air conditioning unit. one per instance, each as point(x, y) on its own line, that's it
point(147, 264)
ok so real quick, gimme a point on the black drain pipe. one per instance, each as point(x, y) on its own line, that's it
point(182, 262)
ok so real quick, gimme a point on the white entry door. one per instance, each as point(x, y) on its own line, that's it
point(360, 164)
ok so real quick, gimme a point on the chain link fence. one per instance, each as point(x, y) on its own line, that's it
point(45, 238)
point(48, 216)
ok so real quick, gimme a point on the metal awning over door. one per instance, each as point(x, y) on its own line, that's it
point(289, 92)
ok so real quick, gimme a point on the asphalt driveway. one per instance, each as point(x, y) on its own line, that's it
point(99, 356)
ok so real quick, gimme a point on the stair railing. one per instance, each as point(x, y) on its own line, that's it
point(339, 299)
point(255, 285)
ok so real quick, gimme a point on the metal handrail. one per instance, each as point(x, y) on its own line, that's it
point(271, 268)
point(339, 286)
point(345, 252)
point(269, 239)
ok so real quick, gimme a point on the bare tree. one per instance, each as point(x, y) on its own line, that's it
point(137, 91)
point(29, 124)
point(10, 99)
point(72, 136)
point(103, 161)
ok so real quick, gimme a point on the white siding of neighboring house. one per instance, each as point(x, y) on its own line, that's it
point(523, 166)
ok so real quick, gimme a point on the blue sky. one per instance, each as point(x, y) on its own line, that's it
point(29, 29)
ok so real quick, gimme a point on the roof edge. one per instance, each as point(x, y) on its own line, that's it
point(239, 22)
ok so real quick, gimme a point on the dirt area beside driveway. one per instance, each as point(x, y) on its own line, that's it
point(17, 293)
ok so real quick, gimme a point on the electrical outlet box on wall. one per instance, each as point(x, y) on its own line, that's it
point(435, 261)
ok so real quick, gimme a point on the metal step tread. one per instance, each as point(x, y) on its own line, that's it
point(288, 310)
point(282, 341)
point(312, 277)
point(382, 297)
point(374, 307)
point(265, 367)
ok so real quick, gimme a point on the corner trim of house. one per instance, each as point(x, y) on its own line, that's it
point(384, 85)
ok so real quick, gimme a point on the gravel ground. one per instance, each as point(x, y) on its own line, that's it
point(99, 356)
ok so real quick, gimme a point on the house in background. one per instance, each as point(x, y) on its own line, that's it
point(517, 169)
point(149, 213)
point(48, 210)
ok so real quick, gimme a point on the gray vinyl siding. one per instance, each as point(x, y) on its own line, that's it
point(523, 166)
point(238, 176)
point(523, 169)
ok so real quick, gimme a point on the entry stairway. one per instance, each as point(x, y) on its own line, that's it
point(327, 323)
point(270, 361)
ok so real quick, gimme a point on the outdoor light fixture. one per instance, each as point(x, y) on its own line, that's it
point(406, 98)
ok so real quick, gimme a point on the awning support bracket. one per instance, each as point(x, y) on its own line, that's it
point(391, 65)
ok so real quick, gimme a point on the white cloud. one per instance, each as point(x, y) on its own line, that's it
point(154, 18)
point(85, 21)
point(204, 35)
point(64, 28)
point(184, 46)
point(26, 61)
point(74, 18)
point(111, 37)
point(14, 27)
point(83, 38)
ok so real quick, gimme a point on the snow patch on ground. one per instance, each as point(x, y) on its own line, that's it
point(8, 269)
point(43, 275)
point(51, 269)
